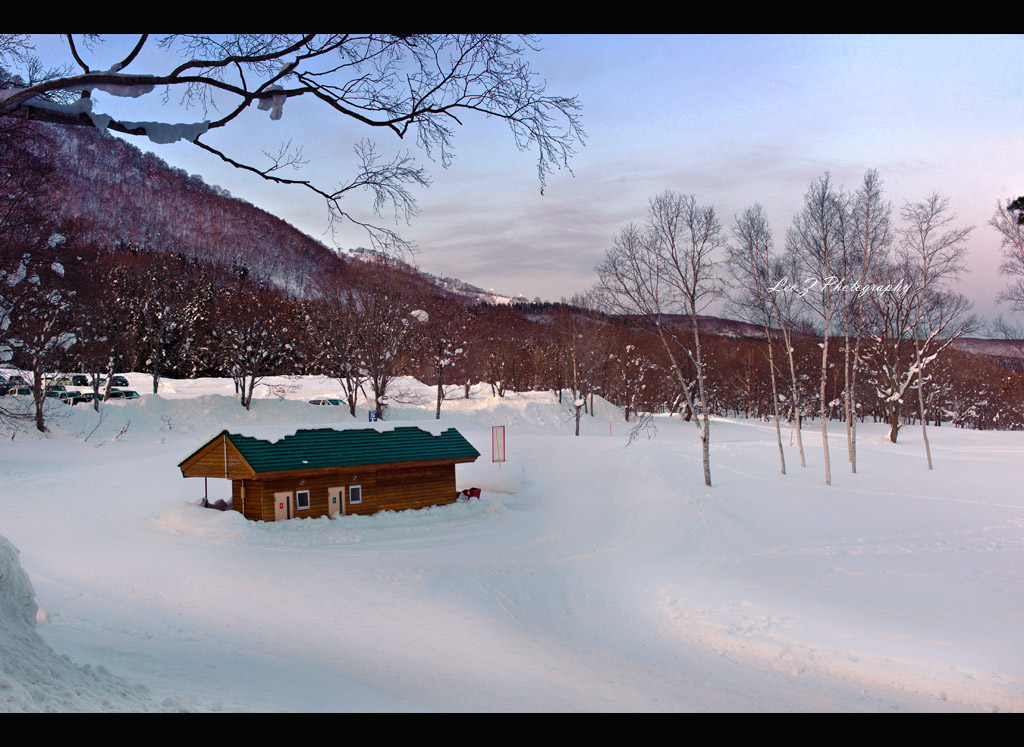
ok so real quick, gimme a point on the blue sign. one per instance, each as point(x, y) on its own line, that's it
point(373, 416)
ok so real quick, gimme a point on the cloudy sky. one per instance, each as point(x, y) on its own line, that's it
point(734, 120)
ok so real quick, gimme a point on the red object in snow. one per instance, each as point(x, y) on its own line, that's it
point(498, 443)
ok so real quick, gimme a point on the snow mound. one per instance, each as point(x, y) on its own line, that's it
point(189, 518)
point(17, 598)
point(35, 679)
point(487, 476)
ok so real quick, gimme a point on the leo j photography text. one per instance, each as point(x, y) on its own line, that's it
point(838, 285)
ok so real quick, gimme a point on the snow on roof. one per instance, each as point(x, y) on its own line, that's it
point(274, 433)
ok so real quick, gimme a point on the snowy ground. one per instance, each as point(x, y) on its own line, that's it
point(592, 575)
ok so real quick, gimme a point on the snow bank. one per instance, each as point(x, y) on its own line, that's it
point(32, 677)
point(207, 406)
point(17, 599)
point(198, 521)
point(489, 477)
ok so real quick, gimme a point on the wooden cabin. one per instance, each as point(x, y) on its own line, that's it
point(325, 471)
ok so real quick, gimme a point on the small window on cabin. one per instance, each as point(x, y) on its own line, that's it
point(302, 500)
point(355, 494)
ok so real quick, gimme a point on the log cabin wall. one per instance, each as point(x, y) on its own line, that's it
point(384, 487)
point(318, 485)
point(251, 507)
point(409, 486)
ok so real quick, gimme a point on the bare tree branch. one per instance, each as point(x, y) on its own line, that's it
point(422, 85)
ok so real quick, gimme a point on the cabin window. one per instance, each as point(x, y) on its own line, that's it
point(355, 494)
point(302, 500)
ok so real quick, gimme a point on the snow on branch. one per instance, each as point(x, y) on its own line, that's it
point(422, 84)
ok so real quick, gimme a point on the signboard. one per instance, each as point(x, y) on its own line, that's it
point(498, 443)
point(373, 416)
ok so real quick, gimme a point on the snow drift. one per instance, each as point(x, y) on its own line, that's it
point(32, 676)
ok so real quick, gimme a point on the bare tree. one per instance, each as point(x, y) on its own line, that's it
point(35, 297)
point(936, 251)
point(441, 338)
point(384, 306)
point(26, 219)
point(786, 308)
point(871, 236)
point(257, 334)
point(1008, 220)
point(336, 332)
point(630, 373)
point(667, 270)
point(578, 351)
point(817, 241)
point(415, 86)
point(888, 323)
point(40, 336)
point(749, 261)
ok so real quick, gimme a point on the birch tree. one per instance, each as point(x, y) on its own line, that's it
point(666, 270)
point(749, 261)
point(816, 241)
point(871, 238)
point(785, 306)
point(936, 250)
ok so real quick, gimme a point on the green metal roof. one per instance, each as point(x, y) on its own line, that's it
point(326, 447)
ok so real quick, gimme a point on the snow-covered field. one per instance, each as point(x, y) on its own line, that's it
point(591, 576)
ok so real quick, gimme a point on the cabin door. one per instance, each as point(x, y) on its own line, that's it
point(283, 505)
point(335, 501)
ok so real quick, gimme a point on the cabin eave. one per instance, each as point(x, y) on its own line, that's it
point(218, 458)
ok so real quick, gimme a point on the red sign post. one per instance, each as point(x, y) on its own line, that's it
point(498, 444)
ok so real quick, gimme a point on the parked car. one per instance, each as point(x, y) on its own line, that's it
point(16, 379)
point(118, 381)
point(123, 394)
point(327, 402)
point(55, 388)
point(20, 391)
point(74, 398)
point(80, 380)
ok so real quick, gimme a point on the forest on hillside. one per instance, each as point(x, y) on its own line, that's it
point(113, 261)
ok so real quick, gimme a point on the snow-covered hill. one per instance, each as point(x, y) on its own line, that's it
point(591, 576)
